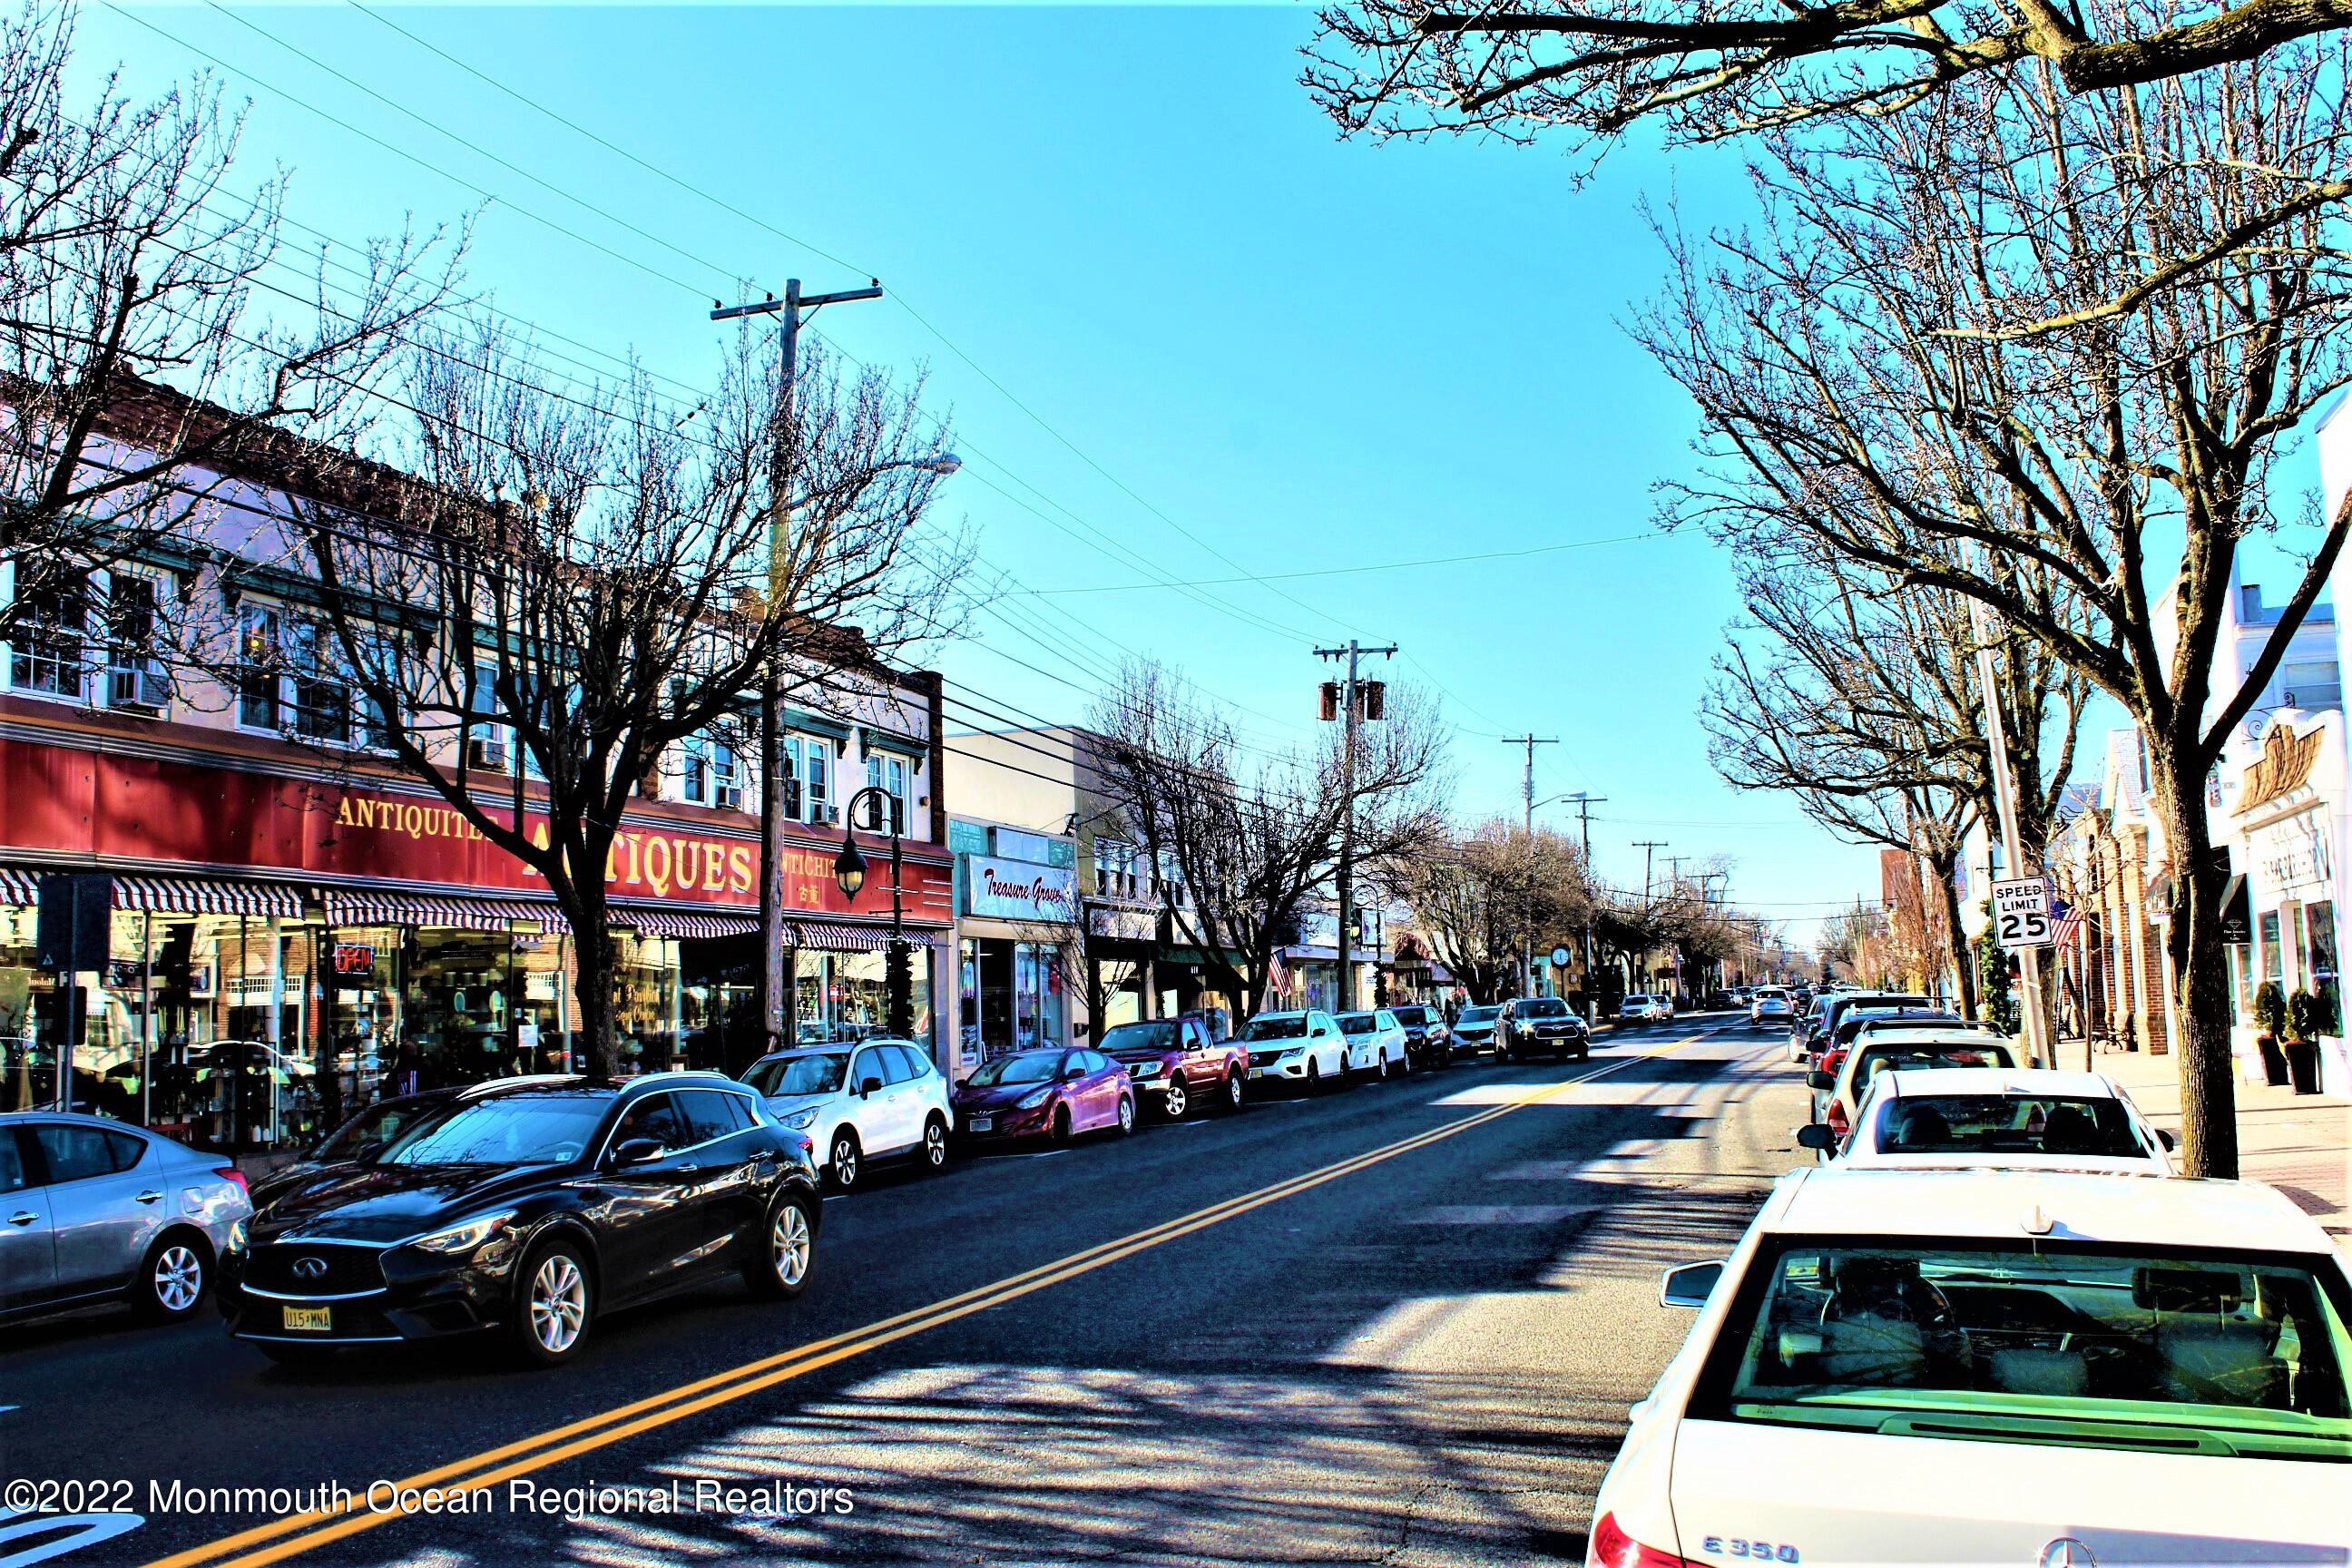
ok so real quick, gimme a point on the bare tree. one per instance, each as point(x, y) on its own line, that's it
point(1590, 69)
point(600, 582)
point(1252, 844)
point(153, 331)
point(1484, 900)
point(2047, 456)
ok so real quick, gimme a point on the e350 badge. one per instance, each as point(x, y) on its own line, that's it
point(1752, 1551)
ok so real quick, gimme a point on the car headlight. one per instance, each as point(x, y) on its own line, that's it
point(465, 1237)
point(1292, 1053)
point(1031, 1101)
point(799, 1121)
point(236, 1236)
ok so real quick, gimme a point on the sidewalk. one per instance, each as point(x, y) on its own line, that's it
point(2300, 1144)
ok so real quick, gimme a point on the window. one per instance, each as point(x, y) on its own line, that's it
point(888, 775)
point(707, 1115)
point(52, 629)
point(78, 1153)
point(2273, 951)
point(321, 695)
point(486, 738)
point(257, 667)
point(134, 676)
point(2311, 685)
point(898, 1064)
point(2319, 950)
point(656, 1117)
point(713, 775)
point(12, 1165)
point(1115, 873)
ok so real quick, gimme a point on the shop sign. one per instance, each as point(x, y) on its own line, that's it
point(1020, 889)
point(2296, 853)
point(354, 958)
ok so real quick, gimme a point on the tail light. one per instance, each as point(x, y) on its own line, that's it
point(1833, 1058)
point(1836, 1118)
point(231, 1173)
point(1613, 1548)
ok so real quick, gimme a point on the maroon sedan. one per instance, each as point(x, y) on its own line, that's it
point(1044, 1094)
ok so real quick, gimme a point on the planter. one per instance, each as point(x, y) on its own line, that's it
point(2302, 1065)
point(2275, 1067)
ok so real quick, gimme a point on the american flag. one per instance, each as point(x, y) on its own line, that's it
point(1277, 976)
point(2070, 919)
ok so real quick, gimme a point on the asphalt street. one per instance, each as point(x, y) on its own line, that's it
point(1400, 1323)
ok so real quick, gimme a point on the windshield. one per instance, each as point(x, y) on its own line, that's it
point(1290, 1028)
point(1482, 1013)
point(1409, 1015)
point(1876, 1058)
point(2200, 1352)
point(1027, 1067)
point(511, 1129)
point(1357, 1023)
point(378, 1125)
point(1154, 1036)
point(1544, 1007)
point(780, 1077)
point(2008, 1125)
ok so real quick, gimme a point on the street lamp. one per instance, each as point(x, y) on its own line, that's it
point(850, 871)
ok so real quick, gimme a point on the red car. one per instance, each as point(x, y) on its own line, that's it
point(1175, 1059)
point(1053, 1094)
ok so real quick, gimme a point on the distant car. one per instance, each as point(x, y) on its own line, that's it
point(1645, 1007)
point(876, 1101)
point(1540, 1026)
point(1174, 1060)
point(1376, 1043)
point(1427, 1041)
point(1053, 1094)
point(1303, 1049)
point(1770, 1004)
point(2016, 1367)
point(1838, 1089)
point(92, 1209)
point(1474, 1030)
point(531, 1210)
point(2040, 1118)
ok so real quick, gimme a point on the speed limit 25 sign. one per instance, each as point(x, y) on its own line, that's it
point(2021, 912)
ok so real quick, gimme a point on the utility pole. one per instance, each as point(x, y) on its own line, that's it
point(1980, 621)
point(775, 983)
point(1648, 848)
point(1351, 715)
point(1585, 800)
point(1528, 794)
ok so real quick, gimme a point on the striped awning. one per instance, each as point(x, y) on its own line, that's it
point(685, 923)
point(367, 907)
point(18, 887)
point(207, 896)
point(830, 938)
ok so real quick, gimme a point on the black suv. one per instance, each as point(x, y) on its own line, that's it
point(529, 1210)
point(1546, 1024)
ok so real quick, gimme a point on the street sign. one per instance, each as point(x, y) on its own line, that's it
point(2021, 913)
point(1560, 958)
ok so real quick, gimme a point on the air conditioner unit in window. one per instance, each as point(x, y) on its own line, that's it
point(829, 813)
point(485, 751)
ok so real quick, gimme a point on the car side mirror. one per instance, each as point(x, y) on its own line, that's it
point(637, 1151)
point(1690, 1285)
point(2166, 1138)
point(1817, 1136)
point(1817, 1079)
point(866, 1085)
point(1071, 1075)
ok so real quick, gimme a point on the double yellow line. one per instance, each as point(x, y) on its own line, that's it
point(295, 1533)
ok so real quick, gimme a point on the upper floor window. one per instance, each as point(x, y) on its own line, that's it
point(888, 775)
point(292, 677)
point(1114, 868)
point(2311, 685)
point(260, 672)
point(134, 675)
point(807, 781)
point(48, 645)
point(712, 773)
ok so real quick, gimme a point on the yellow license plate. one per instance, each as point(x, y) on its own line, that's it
point(309, 1319)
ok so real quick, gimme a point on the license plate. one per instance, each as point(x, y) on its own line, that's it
point(1261, 1072)
point(982, 1123)
point(309, 1320)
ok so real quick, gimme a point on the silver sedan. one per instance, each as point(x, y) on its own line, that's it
point(93, 1210)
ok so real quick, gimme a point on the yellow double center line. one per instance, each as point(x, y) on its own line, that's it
point(295, 1533)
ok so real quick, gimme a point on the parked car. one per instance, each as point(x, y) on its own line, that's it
point(880, 1100)
point(1175, 1059)
point(1837, 1005)
point(2034, 1118)
point(1304, 1049)
point(1545, 1025)
point(1770, 1004)
point(1810, 1022)
point(1997, 1367)
point(1056, 1094)
point(93, 1210)
point(1474, 1028)
point(531, 1210)
point(1427, 1041)
point(1375, 1042)
point(1645, 1007)
point(1838, 1088)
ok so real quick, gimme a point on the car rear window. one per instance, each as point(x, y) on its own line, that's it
point(1894, 1057)
point(2007, 1124)
point(2151, 1350)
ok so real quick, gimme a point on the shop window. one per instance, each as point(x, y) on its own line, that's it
point(2273, 954)
point(888, 775)
point(2320, 951)
point(134, 675)
point(49, 641)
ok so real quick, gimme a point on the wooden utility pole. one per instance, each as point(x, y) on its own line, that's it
point(1528, 794)
point(1351, 715)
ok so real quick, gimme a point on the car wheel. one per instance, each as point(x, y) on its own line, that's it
point(1061, 1133)
point(1126, 1114)
point(935, 1144)
point(788, 1251)
point(1381, 1072)
point(171, 1277)
point(1177, 1100)
point(843, 1167)
point(1233, 1091)
point(1404, 1064)
point(554, 1304)
point(1314, 1078)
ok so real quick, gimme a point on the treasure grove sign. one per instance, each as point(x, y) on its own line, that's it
point(1020, 890)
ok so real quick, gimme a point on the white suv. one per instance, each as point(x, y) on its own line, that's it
point(1302, 1048)
point(876, 1099)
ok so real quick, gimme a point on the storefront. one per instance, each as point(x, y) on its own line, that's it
point(2290, 815)
point(1121, 943)
point(284, 950)
point(1017, 941)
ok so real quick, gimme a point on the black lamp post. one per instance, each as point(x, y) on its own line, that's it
point(849, 870)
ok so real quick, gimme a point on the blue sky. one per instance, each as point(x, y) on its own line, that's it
point(1302, 352)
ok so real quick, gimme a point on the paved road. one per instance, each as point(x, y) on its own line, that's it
point(1398, 1323)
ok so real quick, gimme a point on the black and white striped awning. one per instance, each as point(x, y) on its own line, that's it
point(828, 937)
point(170, 895)
point(370, 907)
point(687, 923)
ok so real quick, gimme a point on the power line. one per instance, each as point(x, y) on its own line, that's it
point(1354, 571)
